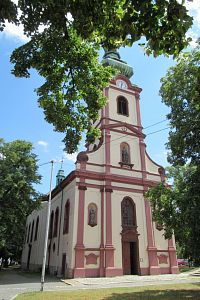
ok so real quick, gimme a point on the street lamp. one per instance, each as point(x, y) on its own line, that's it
point(47, 231)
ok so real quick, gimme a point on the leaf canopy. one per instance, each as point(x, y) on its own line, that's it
point(18, 174)
point(65, 37)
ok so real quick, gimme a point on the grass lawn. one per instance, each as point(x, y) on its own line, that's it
point(163, 292)
point(187, 269)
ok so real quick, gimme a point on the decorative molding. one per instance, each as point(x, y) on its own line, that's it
point(162, 259)
point(82, 187)
point(126, 165)
point(82, 157)
point(108, 189)
point(91, 259)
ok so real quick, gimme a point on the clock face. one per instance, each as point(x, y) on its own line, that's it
point(121, 84)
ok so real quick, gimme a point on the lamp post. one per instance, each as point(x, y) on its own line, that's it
point(47, 231)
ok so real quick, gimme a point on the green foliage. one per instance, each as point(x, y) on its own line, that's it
point(74, 79)
point(180, 91)
point(177, 208)
point(8, 11)
point(113, 23)
point(18, 173)
point(65, 52)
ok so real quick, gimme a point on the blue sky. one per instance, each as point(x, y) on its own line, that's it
point(21, 118)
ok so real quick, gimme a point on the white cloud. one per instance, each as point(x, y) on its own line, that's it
point(71, 157)
point(194, 36)
point(194, 9)
point(44, 145)
point(17, 32)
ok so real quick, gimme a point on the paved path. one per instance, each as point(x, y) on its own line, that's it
point(13, 282)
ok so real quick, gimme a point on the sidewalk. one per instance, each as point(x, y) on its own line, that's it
point(130, 279)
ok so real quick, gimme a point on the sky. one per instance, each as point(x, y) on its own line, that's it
point(21, 118)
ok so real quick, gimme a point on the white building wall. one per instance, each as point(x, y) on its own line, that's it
point(38, 245)
point(132, 117)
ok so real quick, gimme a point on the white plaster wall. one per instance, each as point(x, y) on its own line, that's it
point(151, 166)
point(126, 172)
point(94, 168)
point(160, 242)
point(38, 245)
point(125, 185)
point(97, 156)
point(154, 177)
point(113, 94)
point(66, 240)
point(95, 182)
point(92, 236)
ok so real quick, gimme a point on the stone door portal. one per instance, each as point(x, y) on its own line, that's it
point(130, 252)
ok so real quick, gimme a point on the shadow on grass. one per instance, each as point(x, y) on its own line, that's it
point(157, 295)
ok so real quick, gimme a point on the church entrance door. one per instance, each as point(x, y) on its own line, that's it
point(130, 258)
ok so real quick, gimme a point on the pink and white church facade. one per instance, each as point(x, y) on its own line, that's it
point(101, 224)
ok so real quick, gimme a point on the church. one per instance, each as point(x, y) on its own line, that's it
point(101, 223)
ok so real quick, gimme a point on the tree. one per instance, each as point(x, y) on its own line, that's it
point(18, 174)
point(180, 91)
point(65, 52)
point(8, 12)
point(177, 209)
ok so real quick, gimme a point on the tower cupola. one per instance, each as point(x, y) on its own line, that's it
point(113, 59)
point(60, 176)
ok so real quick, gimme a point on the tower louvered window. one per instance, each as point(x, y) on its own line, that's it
point(122, 106)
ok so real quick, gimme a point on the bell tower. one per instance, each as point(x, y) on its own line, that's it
point(114, 174)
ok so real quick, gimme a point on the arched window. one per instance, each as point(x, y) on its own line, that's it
point(32, 229)
point(128, 213)
point(36, 229)
point(29, 230)
point(55, 230)
point(92, 214)
point(51, 225)
point(25, 237)
point(66, 218)
point(122, 106)
point(125, 153)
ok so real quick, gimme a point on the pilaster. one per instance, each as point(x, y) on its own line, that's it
point(109, 249)
point(102, 252)
point(172, 258)
point(79, 270)
point(152, 250)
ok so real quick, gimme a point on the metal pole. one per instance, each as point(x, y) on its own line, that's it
point(47, 232)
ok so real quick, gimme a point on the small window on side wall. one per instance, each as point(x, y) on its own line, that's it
point(92, 214)
point(122, 106)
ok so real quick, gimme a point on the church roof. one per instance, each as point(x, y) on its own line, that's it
point(112, 58)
